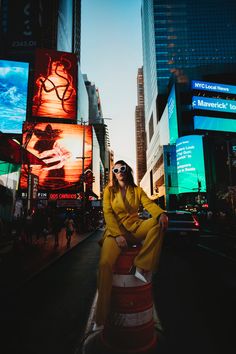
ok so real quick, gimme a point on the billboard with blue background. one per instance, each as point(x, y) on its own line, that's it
point(213, 87)
point(13, 95)
point(190, 164)
point(172, 115)
point(213, 104)
point(215, 124)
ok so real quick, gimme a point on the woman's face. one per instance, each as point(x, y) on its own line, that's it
point(119, 171)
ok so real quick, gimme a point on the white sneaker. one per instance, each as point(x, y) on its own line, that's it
point(140, 276)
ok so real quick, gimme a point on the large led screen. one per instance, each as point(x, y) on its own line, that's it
point(190, 164)
point(13, 95)
point(55, 85)
point(213, 104)
point(213, 87)
point(172, 115)
point(60, 146)
point(215, 124)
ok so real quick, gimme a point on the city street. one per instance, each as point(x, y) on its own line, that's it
point(194, 292)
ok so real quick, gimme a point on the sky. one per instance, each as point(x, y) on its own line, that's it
point(111, 53)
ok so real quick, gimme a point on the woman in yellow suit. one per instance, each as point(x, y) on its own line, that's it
point(121, 202)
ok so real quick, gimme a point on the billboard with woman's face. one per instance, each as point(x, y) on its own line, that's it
point(55, 85)
point(60, 146)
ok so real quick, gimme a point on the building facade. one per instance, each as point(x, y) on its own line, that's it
point(140, 129)
point(182, 41)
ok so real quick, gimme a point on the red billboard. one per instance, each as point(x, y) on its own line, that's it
point(63, 147)
point(55, 83)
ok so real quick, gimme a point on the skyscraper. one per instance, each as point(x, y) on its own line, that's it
point(140, 128)
point(184, 40)
point(184, 34)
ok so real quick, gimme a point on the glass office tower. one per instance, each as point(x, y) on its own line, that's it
point(185, 34)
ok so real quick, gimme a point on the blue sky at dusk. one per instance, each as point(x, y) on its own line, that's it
point(111, 53)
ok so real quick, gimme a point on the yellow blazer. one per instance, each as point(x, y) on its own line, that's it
point(118, 212)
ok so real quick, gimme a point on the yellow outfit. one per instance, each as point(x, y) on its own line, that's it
point(121, 218)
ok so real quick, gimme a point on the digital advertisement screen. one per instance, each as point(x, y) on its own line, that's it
point(60, 146)
point(13, 95)
point(214, 123)
point(213, 104)
point(213, 87)
point(172, 115)
point(55, 85)
point(190, 164)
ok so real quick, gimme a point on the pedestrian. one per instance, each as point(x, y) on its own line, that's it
point(121, 202)
point(29, 227)
point(56, 228)
point(70, 227)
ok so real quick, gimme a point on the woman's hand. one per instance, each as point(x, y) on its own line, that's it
point(121, 241)
point(163, 221)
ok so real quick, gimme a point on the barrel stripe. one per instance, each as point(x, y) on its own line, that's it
point(128, 280)
point(131, 319)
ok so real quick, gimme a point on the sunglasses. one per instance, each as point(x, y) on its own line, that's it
point(119, 169)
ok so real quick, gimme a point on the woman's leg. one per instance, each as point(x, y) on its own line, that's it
point(149, 255)
point(109, 254)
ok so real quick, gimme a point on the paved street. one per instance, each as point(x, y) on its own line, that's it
point(20, 261)
point(194, 293)
point(48, 314)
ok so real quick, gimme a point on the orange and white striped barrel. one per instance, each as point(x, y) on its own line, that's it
point(130, 326)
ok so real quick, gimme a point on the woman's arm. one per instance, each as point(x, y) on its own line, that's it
point(154, 209)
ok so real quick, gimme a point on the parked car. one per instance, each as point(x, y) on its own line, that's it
point(183, 227)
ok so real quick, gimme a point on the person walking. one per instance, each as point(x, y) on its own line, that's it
point(70, 228)
point(121, 203)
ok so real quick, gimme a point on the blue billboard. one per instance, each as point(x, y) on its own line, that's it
point(215, 123)
point(190, 164)
point(213, 104)
point(13, 95)
point(213, 87)
point(172, 116)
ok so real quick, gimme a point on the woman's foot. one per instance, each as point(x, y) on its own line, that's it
point(141, 274)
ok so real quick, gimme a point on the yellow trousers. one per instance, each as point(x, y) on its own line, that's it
point(149, 232)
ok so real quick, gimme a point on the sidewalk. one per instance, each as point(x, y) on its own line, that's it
point(20, 262)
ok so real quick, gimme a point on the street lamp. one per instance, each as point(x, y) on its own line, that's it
point(83, 123)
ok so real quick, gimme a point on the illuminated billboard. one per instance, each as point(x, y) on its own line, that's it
point(215, 123)
point(60, 146)
point(55, 85)
point(13, 95)
point(213, 87)
point(172, 115)
point(190, 164)
point(213, 104)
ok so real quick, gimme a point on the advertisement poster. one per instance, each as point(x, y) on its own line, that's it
point(13, 95)
point(63, 147)
point(190, 164)
point(55, 85)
